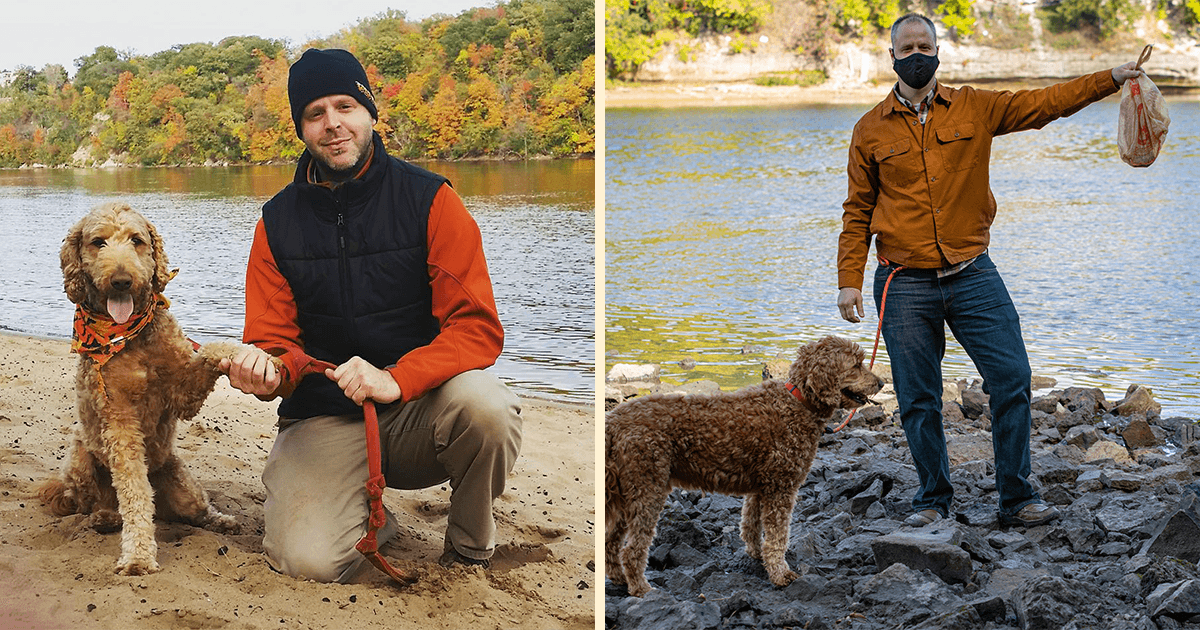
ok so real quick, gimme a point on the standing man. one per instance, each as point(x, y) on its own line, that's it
point(918, 183)
point(374, 265)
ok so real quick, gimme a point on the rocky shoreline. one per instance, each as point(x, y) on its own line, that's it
point(1123, 556)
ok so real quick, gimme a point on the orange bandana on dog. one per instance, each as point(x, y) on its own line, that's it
point(99, 338)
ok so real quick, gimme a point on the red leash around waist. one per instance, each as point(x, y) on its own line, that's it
point(369, 545)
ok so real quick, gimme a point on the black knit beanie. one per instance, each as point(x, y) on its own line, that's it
point(320, 73)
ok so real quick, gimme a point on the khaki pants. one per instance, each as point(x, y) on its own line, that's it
point(468, 431)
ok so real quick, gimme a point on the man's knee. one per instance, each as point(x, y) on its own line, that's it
point(490, 412)
point(320, 563)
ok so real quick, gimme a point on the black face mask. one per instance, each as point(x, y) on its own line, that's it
point(916, 70)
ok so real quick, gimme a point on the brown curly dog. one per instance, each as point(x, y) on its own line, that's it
point(758, 442)
point(138, 375)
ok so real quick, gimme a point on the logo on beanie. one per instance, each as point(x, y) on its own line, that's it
point(362, 88)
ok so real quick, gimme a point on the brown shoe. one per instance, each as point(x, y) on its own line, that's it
point(451, 557)
point(923, 518)
point(1033, 514)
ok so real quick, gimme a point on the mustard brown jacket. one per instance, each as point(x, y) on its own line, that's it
point(923, 190)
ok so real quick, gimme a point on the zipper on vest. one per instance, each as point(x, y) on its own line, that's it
point(344, 272)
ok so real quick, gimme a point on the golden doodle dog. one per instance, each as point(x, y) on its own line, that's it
point(758, 442)
point(138, 375)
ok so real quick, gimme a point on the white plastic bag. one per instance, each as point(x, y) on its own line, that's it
point(1143, 121)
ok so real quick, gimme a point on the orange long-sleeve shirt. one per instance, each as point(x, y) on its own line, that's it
point(470, 336)
point(922, 190)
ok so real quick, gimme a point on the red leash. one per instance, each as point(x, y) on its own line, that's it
point(369, 545)
point(878, 332)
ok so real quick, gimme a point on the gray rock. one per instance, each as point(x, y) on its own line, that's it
point(684, 555)
point(901, 587)
point(1121, 518)
point(1122, 481)
point(1050, 603)
point(1180, 600)
point(923, 552)
point(990, 608)
point(658, 610)
point(1051, 469)
point(978, 515)
point(962, 618)
point(1083, 436)
point(805, 587)
point(1090, 481)
point(1045, 404)
point(861, 501)
point(1057, 495)
point(1179, 534)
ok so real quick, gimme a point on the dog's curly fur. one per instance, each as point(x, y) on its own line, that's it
point(759, 442)
point(122, 452)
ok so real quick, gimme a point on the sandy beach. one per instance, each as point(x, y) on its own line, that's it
point(57, 573)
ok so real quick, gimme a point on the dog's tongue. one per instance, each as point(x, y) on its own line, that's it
point(120, 307)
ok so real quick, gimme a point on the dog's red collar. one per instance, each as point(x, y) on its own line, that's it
point(795, 392)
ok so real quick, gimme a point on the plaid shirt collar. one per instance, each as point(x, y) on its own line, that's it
point(920, 109)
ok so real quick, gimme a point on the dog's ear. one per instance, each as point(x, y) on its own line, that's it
point(162, 274)
point(817, 372)
point(74, 280)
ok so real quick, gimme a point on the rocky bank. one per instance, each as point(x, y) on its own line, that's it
point(1123, 556)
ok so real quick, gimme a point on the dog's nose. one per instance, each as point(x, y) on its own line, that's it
point(122, 282)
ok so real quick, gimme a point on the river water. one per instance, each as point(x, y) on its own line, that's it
point(537, 220)
point(721, 230)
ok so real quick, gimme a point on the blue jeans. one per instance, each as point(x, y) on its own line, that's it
point(976, 306)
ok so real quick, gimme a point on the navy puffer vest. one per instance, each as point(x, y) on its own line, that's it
point(355, 258)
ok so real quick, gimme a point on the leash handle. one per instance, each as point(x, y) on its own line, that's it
point(368, 546)
point(1144, 57)
point(878, 332)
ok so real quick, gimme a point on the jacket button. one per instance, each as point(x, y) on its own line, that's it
point(955, 134)
point(893, 150)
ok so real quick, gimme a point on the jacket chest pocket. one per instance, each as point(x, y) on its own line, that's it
point(959, 147)
point(899, 164)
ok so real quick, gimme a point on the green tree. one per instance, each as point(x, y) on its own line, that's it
point(101, 69)
point(1106, 16)
point(958, 16)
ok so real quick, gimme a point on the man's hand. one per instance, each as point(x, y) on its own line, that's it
point(360, 380)
point(252, 371)
point(849, 301)
point(1125, 72)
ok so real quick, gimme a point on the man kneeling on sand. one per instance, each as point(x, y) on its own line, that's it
point(374, 265)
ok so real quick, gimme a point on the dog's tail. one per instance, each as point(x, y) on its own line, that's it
point(54, 494)
point(614, 502)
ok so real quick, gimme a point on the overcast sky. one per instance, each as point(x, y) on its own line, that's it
point(61, 31)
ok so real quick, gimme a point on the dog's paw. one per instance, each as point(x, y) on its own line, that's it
point(221, 523)
point(782, 577)
point(128, 565)
point(640, 589)
point(105, 521)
